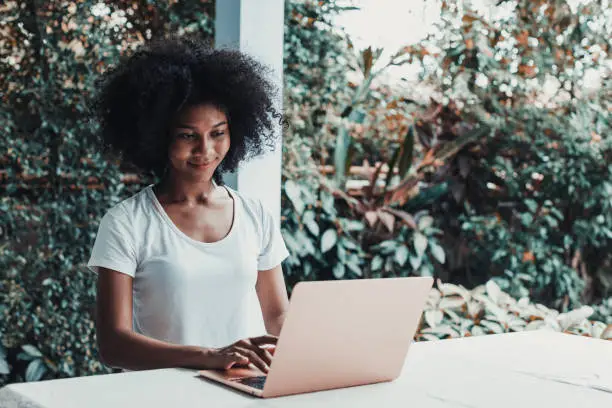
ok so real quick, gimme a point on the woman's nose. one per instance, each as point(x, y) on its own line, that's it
point(204, 145)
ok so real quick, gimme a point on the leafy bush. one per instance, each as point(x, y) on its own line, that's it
point(453, 311)
point(526, 201)
point(533, 201)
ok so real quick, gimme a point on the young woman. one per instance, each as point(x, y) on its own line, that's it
point(189, 270)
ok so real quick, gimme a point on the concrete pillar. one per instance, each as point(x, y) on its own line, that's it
point(256, 27)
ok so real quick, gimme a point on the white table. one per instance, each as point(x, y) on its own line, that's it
point(528, 369)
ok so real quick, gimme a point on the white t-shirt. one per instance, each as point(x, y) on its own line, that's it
point(186, 291)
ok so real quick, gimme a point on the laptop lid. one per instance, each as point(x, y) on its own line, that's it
point(346, 333)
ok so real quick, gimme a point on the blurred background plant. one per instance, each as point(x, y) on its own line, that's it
point(495, 166)
point(491, 173)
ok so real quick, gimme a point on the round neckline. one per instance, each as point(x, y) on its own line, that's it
point(164, 215)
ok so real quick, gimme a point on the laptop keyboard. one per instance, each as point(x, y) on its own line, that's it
point(255, 382)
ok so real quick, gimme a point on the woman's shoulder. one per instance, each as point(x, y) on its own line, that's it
point(251, 206)
point(132, 206)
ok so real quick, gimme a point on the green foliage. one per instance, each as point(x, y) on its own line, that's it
point(510, 156)
point(534, 199)
point(453, 311)
point(315, 67)
point(322, 244)
point(516, 178)
point(55, 184)
point(325, 245)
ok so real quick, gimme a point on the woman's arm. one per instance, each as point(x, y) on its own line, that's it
point(120, 346)
point(272, 294)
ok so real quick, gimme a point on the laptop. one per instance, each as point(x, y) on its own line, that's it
point(338, 334)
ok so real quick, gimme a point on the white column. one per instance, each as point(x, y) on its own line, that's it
point(256, 27)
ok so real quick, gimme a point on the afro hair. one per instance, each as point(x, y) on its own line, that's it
point(138, 100)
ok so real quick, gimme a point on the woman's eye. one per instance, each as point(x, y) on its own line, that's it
point(218, 134)
point(186, 135)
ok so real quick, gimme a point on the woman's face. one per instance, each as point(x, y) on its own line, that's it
point(200, 140)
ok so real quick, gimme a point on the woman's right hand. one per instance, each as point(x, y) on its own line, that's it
point(243, 352)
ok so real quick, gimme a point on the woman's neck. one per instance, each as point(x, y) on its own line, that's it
point(175, 190)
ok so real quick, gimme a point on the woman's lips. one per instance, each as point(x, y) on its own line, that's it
point(201, 165)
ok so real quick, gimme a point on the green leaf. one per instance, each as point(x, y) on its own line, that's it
point(493, 326)
point(349, 158)
point(405, 161)
point(328, 203)
point(415, 262)
point(377, 263)
point(309, 220)
point(557, 213)
point(433, 317)
point(453, 302)
point(532, 205)
point(341, 253)
point(353, 225)
point(494, 291)
point(527, 219)
point(353, 265)
point(420, 243)
point(478, 331)
point(401, 255)
point(348, 244)
point(36, 369)
point(306, 243)
point(437, 252)
point(386, 247)
point(425, 222)
point(391, 166)
point(341, 154)
point(292, 243)
point(307, 269)
point(552, 221)
point(449, 289)
point(4, 367)
point(339, 270)
point(453, 315)
point(31, 350)
point(442, 329)
point(293, 192)
point(329, 239)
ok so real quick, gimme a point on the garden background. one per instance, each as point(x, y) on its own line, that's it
point(491, 172)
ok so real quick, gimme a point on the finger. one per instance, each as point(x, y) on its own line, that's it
point(266, 356)
point(235, 358)
point(269, 348)
point(255, 359)
point(261, 352)
point(266, 339)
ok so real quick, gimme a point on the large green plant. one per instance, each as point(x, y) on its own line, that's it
point(529, 204)
point(55, 184)
point(534, 200)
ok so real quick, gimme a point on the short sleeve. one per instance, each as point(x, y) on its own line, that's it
point(114, 247)
point(273, 249)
